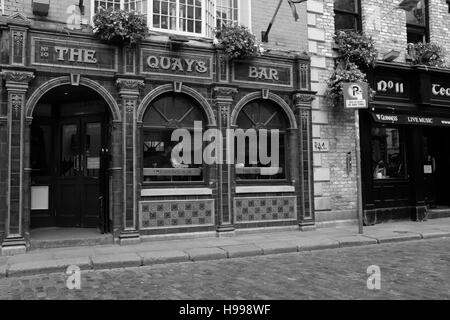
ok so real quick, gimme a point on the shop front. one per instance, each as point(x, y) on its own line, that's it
point(405, 149)
point(87, 130)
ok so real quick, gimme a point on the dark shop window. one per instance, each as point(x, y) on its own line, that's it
point(163, 116)
point(261, 117)
point(347, 15)
point(388, 153)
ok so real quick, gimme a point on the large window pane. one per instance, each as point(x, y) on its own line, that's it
point(388, 155)
point(261, 120)
point(345, 22)
point(347, 15)
point(163, 116)
point(417, 15)
point(346, 5)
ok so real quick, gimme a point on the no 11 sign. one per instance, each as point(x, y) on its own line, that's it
point(356, 95)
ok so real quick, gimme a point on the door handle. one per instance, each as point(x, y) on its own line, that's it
point(76, 163)
point(82, 163)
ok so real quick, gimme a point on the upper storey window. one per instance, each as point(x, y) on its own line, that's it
point(190, 17)
point(347, 15)
point(417, 23)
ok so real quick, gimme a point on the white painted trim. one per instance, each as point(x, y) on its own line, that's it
point(265, 189)
point(176, 192)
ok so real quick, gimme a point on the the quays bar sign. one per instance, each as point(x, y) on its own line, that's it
point(182, 64)
point(77, 55)
point(263, 73)
point(410, 119)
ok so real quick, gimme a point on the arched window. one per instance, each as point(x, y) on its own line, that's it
point(263, 138)
point(163, 116)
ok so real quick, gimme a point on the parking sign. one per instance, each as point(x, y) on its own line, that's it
point(356, 95)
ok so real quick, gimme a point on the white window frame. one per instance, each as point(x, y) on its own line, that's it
point(244, 17)
point(150, 21)
point(2, 5)
point(121, 3)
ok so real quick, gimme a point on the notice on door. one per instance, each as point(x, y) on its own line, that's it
point(93, 163)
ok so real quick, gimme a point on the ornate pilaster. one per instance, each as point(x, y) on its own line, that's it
point(302, 104)
point(223, 98)
point(18, 25)
point(129, 91)
point(16, 86)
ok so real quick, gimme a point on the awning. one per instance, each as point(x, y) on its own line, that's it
point(391, 118)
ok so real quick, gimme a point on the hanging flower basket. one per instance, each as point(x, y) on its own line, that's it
point(355, 51)
point(238, 42)
point(120, 27)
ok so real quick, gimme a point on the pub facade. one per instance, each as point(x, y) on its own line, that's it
point(85, 134)
point(405, 144)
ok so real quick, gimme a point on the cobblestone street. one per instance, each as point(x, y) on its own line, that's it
point(412, 270)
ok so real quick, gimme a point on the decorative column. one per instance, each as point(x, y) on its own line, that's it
point(302, 104)
point(129, 91)
point(223, 98)
point(16, 86)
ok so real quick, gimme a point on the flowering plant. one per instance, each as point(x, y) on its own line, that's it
point(350, 73)
point(356, 47)
point(355, 51)
point(429, 54)
point(238, 42)
point(120, 26)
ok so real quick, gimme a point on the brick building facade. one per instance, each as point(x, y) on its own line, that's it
point(83, 124)
point(392, 28)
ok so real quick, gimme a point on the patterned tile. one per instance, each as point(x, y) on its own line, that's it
point(265, 209)
point(170, 214)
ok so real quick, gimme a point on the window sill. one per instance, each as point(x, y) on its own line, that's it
point(176, 192)
point(265, 189)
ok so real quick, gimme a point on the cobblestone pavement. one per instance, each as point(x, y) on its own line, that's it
point(410, 270)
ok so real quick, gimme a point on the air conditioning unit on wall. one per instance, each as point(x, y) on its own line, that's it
point(40, 7)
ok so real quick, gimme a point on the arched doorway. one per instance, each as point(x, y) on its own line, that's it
point(69, 147)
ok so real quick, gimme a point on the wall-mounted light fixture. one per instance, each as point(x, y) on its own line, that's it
point(40, 7)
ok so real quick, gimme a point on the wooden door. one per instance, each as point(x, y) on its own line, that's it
point(79, 170)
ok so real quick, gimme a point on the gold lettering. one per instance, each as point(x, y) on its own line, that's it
point(153, 62)
point(176, 64)
point(78, 53)
point(201, 67)
point(274, 74)
point(60, 51)
point(189, 63)
point(165, 63)
point(253, 72)
point(90, 56)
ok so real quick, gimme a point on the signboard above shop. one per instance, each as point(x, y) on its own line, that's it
point(178, 64)
point(258, 72)
point(410, 119)
point(72, 54)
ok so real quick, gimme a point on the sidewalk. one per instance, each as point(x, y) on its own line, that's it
point(246, 245)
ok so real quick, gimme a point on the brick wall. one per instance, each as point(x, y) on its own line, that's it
point(386, 25)
point(286, 33)
point(440, 24)
point(334, 187)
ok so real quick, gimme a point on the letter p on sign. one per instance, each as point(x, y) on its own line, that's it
point(374, 280)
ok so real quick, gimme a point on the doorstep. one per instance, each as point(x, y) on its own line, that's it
point(103, 257)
